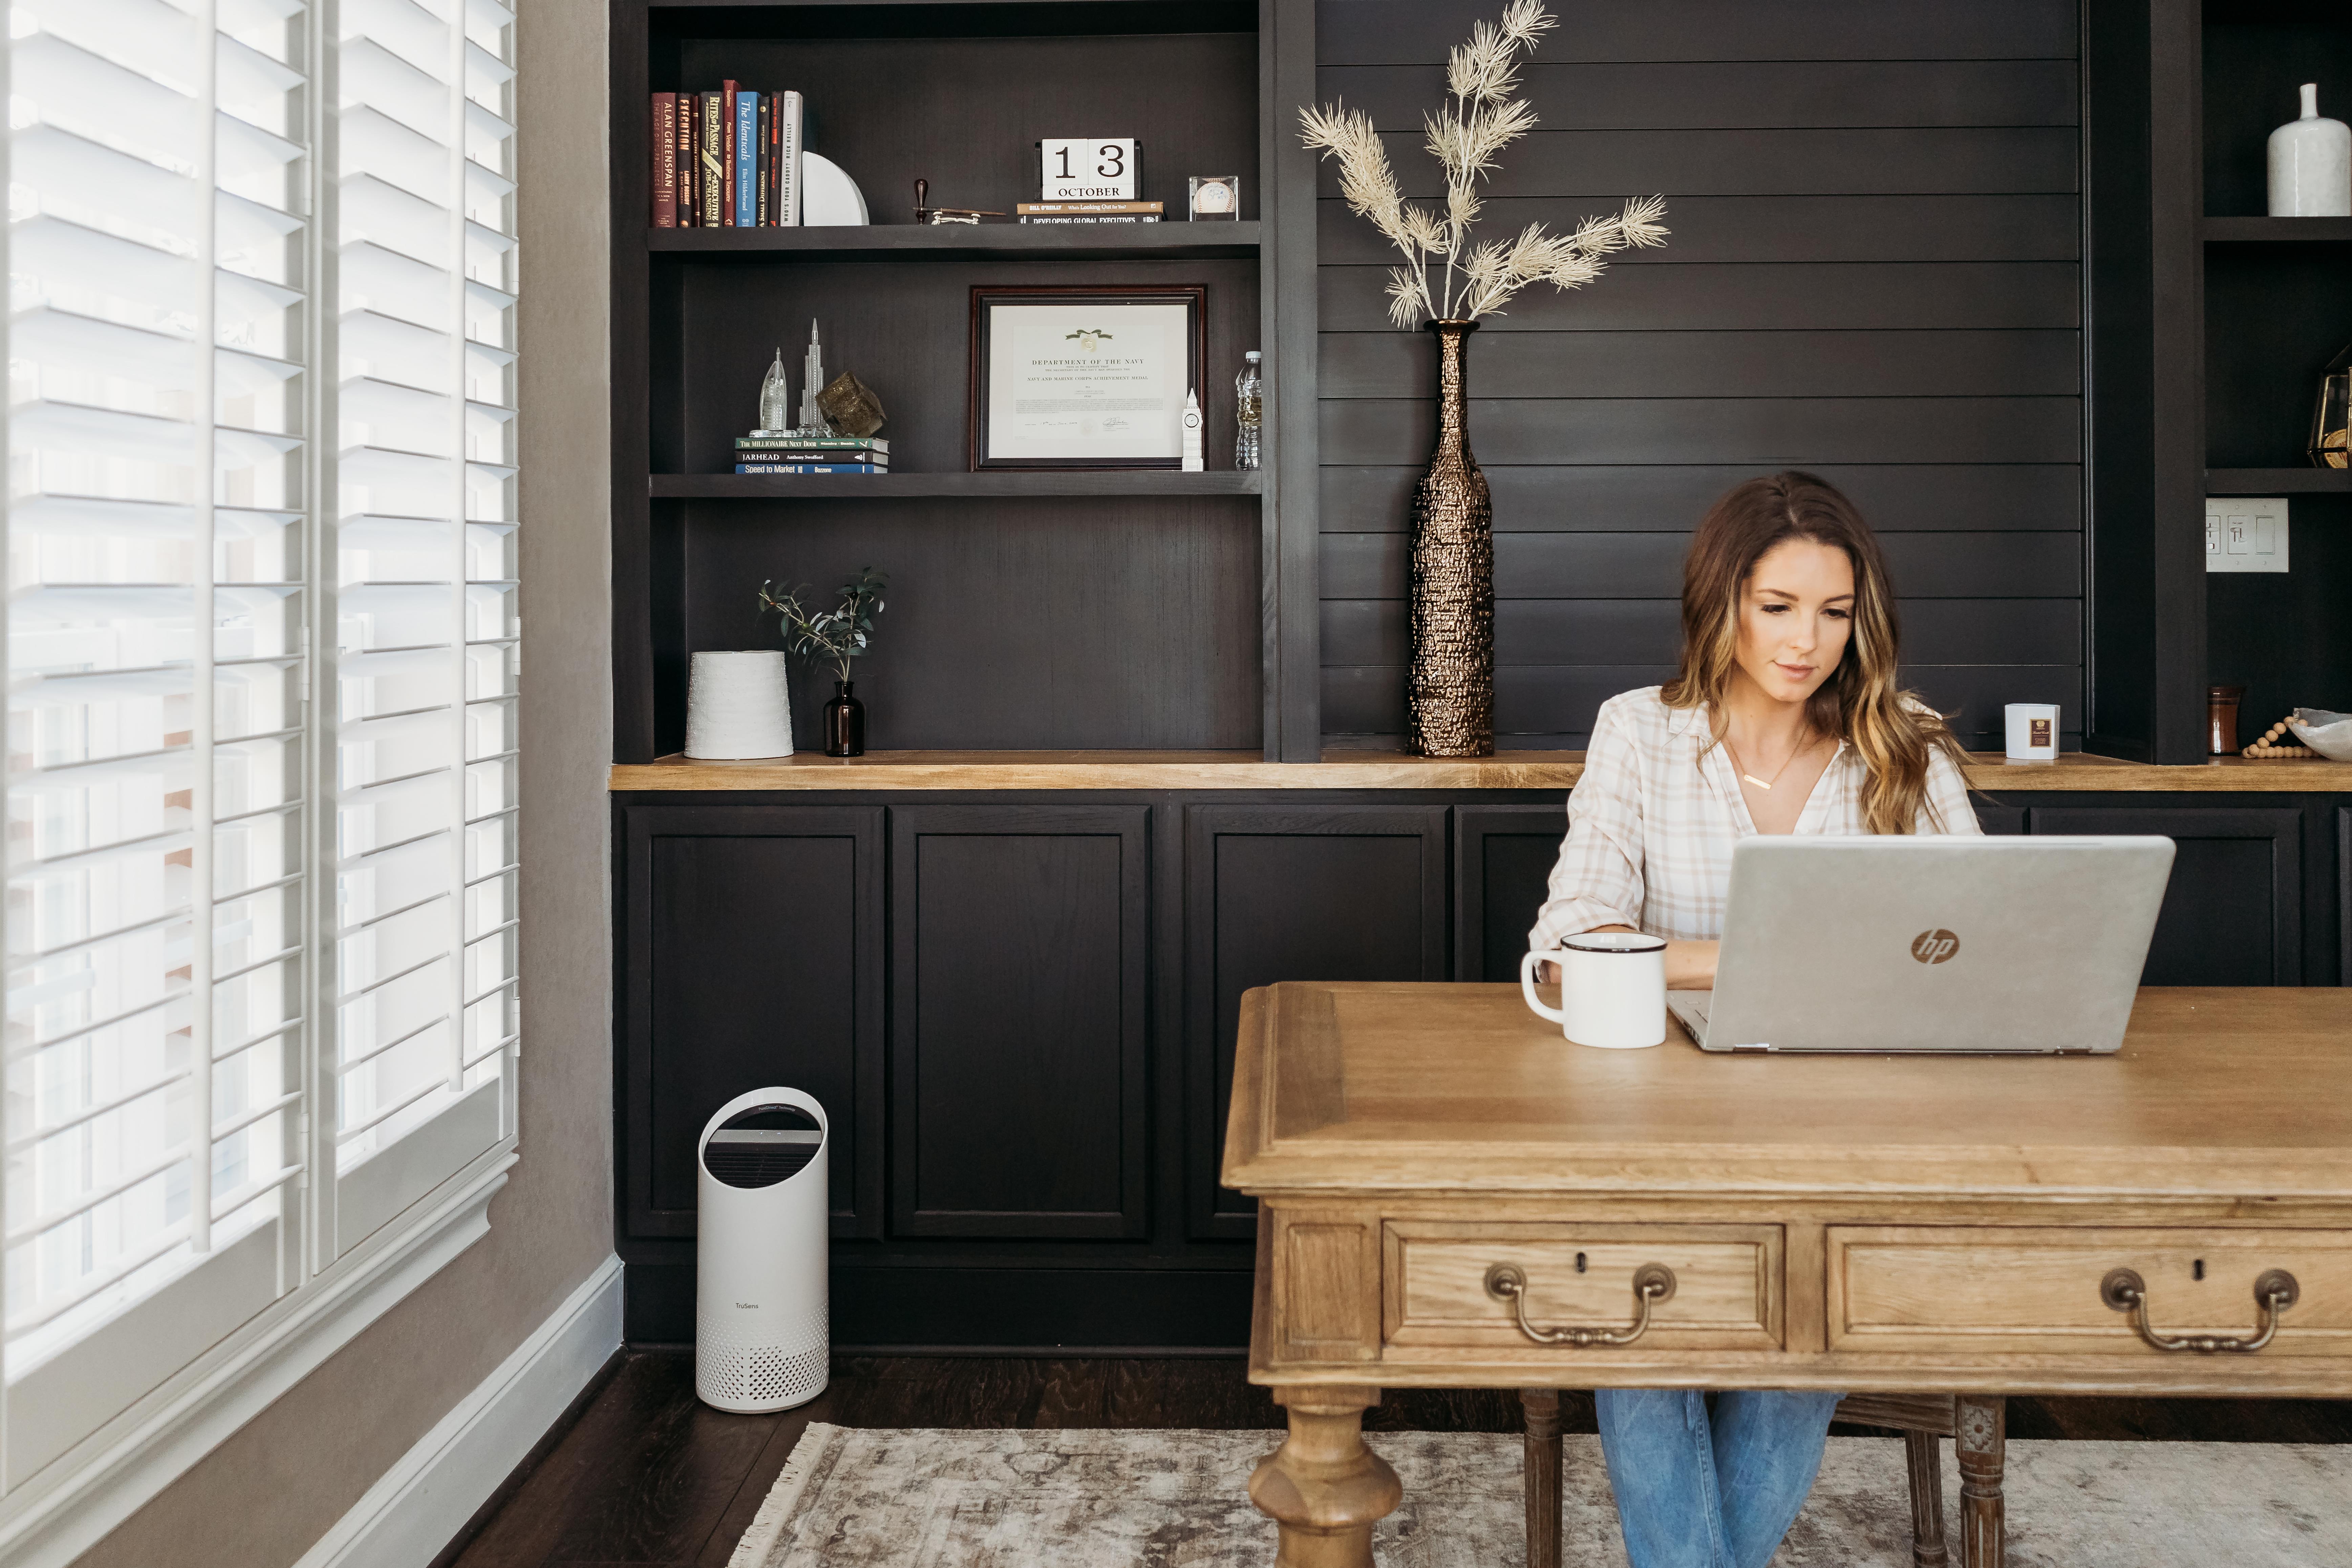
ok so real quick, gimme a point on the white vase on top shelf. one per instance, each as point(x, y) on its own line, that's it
point(2311, 164)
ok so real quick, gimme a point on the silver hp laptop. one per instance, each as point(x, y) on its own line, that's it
point(1888, 943)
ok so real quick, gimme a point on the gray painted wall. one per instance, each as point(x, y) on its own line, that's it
point(261, 1498)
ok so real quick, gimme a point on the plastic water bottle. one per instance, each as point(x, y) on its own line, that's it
point(1248, 418)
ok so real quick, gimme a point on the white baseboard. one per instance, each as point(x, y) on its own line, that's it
point(421, 1503)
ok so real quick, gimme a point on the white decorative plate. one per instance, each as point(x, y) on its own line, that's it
point(829, 198)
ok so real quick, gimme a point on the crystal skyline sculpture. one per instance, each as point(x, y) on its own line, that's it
point(776, 396)
point(812, 419)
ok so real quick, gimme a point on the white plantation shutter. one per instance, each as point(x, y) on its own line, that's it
point(261, 658)
point(425, 646)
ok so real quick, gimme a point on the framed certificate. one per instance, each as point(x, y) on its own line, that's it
point(1084, 377)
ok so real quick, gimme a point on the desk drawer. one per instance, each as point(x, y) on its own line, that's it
point(2027, 1289)
point(1728, 1284)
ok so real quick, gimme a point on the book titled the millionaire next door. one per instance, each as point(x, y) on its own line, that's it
point(787, 205)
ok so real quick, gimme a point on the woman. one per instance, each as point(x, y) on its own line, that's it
point(1783, 717)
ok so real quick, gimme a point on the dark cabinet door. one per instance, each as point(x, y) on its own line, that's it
point(1332, 892)
point(1019, 1099)
point(2344, 895)
point(1502, 856)
point(2233, 910)
point(753, 957)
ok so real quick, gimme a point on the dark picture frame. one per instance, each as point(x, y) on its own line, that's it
point(985, 297)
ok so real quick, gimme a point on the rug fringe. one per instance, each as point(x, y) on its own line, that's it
point(818, 1441)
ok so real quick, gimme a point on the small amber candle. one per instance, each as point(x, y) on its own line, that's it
point(2222, 718)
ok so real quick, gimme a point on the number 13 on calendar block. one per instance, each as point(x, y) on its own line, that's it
point(1088, 168)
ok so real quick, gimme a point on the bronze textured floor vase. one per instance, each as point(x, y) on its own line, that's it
point(1449, 682)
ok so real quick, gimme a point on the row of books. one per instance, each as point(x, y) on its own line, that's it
point(729, 158)
point(1086, 212)
point(796, 454)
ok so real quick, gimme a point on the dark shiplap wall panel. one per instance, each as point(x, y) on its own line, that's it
point(1409, 32)
point(1753, 296)
point(1617, 496)
point(1792, 229)
point(1874, 274)
point(1766, 431)
point(1734, 95)
point(1757, 162)
point(1361, 566)
point(1695, 364)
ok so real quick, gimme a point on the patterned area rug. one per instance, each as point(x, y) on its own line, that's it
point(920, 1499)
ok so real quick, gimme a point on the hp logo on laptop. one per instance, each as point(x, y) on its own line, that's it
point(1933, 946)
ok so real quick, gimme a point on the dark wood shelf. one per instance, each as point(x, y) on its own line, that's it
point(967, 242)
point(2275, 230)
point(2278, 482)
point(1074, 482)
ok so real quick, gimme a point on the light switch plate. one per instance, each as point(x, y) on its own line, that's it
point(2245, 534)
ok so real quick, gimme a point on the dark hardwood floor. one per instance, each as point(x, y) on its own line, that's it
point(646, 1476)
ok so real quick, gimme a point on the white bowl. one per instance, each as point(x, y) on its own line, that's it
point(2329, 734)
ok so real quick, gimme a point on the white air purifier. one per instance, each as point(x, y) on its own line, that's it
point(760, 1338)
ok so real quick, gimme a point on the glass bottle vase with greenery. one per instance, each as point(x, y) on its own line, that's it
point(835, 635)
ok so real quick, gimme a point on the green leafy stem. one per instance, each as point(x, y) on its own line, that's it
point(822, 635)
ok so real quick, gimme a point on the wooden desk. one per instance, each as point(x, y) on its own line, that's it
point(1870, 1225)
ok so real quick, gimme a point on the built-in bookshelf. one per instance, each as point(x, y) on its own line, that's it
point(1123, 608)
point(2209, 324)
point(2276, 312)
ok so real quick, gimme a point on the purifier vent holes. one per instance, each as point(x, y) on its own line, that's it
point(769, 1376)
point(760, 1165)
point(762, 1145)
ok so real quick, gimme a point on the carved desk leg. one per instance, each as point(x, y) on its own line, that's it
point(1323, 1485)
point(1924, 1450)
point(1542, 1473)
point(1983, 1429)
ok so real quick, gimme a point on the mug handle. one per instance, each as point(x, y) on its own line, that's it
point(1527, 986)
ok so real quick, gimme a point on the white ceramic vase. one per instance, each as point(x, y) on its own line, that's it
point(2311, 164)
point(736, 706)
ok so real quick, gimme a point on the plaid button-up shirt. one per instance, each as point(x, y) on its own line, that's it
point(1652, 823)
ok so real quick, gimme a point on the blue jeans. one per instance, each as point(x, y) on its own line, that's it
point(1698, 1493)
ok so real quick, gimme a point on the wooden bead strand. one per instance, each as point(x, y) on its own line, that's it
point(2267, 747)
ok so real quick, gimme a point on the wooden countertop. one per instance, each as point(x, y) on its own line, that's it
point(1345, 770)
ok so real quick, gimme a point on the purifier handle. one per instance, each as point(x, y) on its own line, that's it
point(798, 1099)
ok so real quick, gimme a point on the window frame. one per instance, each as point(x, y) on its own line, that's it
point(327, 1288)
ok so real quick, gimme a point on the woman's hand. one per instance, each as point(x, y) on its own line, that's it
point(1690, 965)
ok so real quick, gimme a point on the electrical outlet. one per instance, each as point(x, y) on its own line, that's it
point(2245, 534)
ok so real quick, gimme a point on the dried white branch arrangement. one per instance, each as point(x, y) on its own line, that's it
point(1480, 119)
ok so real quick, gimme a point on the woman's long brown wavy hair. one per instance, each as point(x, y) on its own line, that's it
point(1892, 731)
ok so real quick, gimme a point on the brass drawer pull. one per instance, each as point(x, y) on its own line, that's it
point(2275, 1292)
point(1652, 1282)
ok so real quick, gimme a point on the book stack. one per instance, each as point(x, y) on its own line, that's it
point(1087, 212)
point(791, 452)
point(729, 158)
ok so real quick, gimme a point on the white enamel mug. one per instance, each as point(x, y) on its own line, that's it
point(1612, 989)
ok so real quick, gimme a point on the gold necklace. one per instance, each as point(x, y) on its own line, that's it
point(1766, 784)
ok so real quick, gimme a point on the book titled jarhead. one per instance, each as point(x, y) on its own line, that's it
point(790, 452)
